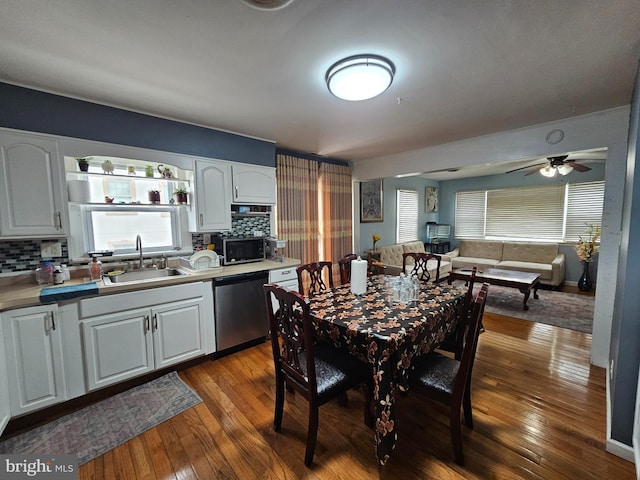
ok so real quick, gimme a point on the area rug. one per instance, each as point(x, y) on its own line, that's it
point(566, 310)
point(100, 427)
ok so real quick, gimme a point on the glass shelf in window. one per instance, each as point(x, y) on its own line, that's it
point(127, 189)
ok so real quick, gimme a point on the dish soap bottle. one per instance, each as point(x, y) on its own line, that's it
point(95, 269)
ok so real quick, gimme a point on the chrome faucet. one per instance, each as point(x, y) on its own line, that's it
point(139, 247)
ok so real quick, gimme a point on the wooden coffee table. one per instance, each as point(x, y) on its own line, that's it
point(523, 281)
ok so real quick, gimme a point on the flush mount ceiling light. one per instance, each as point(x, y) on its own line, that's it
point(268, 4)
point(360, 77)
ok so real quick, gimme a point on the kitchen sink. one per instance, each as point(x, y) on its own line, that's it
point(137, 276)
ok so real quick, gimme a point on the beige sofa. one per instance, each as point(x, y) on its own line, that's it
point(391, 257)
point(542, 258)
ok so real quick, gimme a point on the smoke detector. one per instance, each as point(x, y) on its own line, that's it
point(267, 4)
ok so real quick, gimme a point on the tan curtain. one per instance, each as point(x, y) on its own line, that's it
point(336, 211)
point(297, 180)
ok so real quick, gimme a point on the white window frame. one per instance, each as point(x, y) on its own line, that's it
point(176, 233)
point(406, 215)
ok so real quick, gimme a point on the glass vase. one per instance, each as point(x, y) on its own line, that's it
point(584, 284)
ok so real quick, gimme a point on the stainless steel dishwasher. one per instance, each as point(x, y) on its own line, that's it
point(241, 315)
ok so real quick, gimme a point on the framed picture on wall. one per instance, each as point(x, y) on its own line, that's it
point(431, 199)
point(371, 201)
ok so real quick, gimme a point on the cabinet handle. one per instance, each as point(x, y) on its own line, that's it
point(155, 321)
point(201, 219)
point(286, 272)
point(59, 220)
point(146, 323)
point(49, 323)
point(236, 191)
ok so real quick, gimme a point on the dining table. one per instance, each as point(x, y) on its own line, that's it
point(388, 335)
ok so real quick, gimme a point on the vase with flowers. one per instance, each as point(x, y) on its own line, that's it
point(376, 238)
point(586, 248)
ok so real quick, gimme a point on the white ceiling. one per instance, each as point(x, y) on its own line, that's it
point(464, 68)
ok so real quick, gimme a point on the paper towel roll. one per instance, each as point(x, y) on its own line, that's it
point(358, 276)
point(78, 191)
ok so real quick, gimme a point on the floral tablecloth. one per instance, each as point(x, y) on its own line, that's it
point(387, 335)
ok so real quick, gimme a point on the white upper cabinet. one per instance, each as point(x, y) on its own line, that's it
point(211, 212)
point(33, 192)
point(254, 184)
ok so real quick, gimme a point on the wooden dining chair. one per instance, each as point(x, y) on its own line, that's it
point(420, 265)
point(446, 379)
point(315, 277)
point(345, 267)
point(318, 371)
point(454, 341)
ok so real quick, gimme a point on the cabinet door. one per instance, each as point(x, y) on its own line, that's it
point(284, 277)
point(5, 409)
point(33, 202)
point(178, 332)
point(34, 358)
point(117, 347)
point(212, 211)
point(254, 184)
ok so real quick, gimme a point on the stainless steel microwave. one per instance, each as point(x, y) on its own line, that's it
point(239, 250)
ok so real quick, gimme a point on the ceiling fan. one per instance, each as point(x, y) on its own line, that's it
point(554, 165)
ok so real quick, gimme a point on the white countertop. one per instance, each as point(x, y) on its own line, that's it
point(18, 291)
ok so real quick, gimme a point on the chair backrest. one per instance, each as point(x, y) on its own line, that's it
point(319, 277)
point(464, 315)
point(471, 334)
point(292, 337)
point(345, 267)
point(420, 267)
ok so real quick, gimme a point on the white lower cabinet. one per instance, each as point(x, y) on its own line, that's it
point(5, 408)
point(129, 343)
point(34, 353)
point(116, 347)
point(283, 277)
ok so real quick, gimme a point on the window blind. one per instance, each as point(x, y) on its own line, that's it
point(470, 214)
point(407, 215)
point(558, 212)
point(526, 212)
point(584, 207)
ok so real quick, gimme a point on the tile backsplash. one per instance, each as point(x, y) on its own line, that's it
point(24, 255)
point(241, 226)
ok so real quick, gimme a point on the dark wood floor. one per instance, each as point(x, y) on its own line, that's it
point(539, 411)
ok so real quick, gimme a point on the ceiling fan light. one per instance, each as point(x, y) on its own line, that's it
point(565, 169)
point(360, 77)
point(548, 171)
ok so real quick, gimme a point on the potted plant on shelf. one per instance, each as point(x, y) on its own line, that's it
point(181, 195)
point(154, 196)
point(83, 164)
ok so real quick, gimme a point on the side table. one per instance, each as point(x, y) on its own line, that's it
point(374, 266)
point(437, 247)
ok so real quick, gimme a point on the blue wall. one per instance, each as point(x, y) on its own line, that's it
point(35, 111)
point(387, 228)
